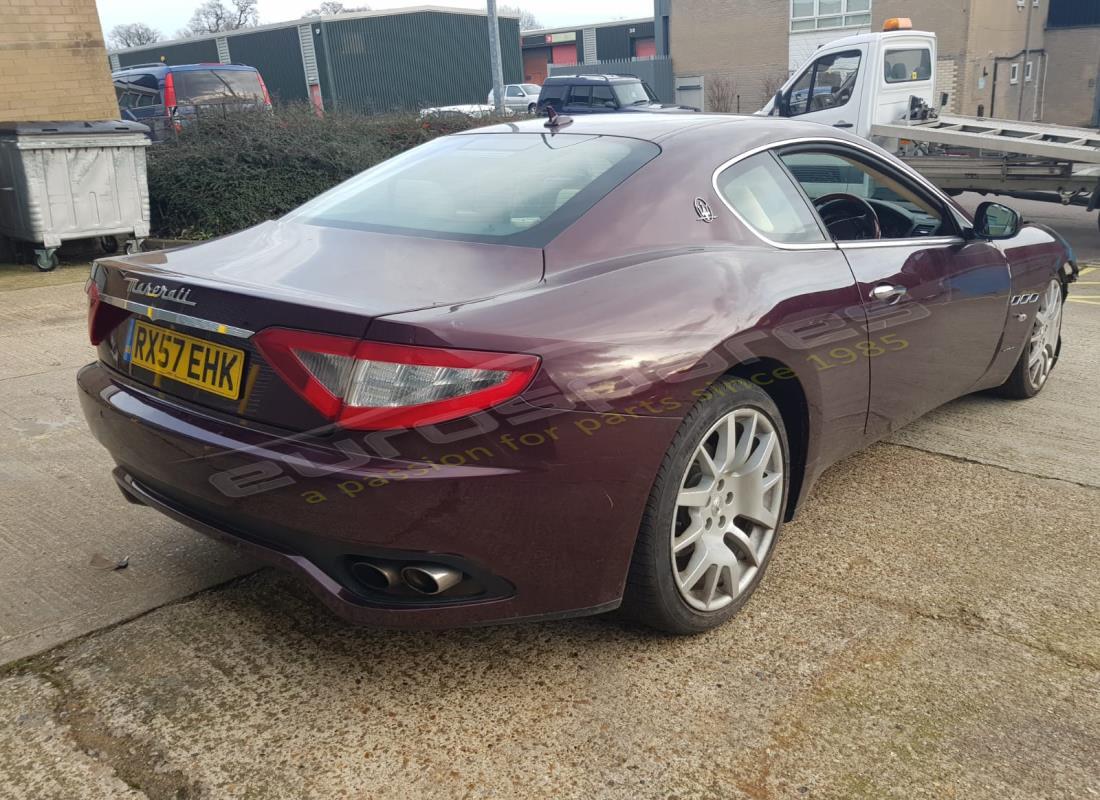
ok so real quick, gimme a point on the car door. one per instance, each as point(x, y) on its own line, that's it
point(936, 302)
point(514, 98)
point(828, 90)
point(805, 289)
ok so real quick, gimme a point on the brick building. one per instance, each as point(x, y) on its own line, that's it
point(990, 63)
point(53, 64)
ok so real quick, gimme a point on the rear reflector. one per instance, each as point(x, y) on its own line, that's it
point(373, 385)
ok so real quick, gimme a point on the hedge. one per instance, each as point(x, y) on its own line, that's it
point(226, 172)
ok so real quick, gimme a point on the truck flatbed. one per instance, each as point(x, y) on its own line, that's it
point(1054, 142)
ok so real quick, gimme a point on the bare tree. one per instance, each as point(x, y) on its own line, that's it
point(331, 8)
point(721, 94)
point(527, 20)
point(214, 16)
point(772, 84)
point(132, 34)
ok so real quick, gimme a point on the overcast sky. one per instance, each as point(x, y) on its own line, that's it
point(168, 16)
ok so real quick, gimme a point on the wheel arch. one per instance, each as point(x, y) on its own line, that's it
point(782, 384)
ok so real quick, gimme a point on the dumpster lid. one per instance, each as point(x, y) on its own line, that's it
point(70, 128)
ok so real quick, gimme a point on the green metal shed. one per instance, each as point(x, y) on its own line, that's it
point(372, 61)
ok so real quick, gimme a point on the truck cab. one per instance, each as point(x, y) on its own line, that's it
point(859, 81)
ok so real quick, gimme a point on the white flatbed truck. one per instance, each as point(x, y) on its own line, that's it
point(881, 86)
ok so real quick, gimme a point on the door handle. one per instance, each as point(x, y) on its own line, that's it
point(888, 293)
point(842, 124)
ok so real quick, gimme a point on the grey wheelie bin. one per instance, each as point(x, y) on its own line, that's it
point(73, 180)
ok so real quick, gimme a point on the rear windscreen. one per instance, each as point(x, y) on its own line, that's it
point(217, 86)
point(511, 188)
point(902, 66)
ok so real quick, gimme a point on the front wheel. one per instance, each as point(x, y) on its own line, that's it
point(1040, 352)
point(713, 515)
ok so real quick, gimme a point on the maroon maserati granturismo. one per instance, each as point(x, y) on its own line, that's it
point(554, 368)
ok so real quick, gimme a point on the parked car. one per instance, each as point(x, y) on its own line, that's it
point(166, 97)
point(601, 94)
point(519, 97)
point(532, 371)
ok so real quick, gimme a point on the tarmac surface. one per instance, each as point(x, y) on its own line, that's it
point(929, 627)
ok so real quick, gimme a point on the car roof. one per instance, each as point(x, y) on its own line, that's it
point(159, 69)
point(729, 133)
point(600, 79)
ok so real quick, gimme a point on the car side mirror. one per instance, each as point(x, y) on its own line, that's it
point(610, 104)
point(996, 221)
point(779, 105)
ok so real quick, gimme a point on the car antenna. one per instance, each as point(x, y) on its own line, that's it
point(556, 120)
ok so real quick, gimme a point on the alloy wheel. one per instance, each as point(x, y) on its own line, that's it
point(1043, 345)
point(727, 509)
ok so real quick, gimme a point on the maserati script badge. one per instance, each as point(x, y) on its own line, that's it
point(158, 291)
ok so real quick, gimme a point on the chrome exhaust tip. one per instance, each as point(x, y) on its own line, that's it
point(375, 575)
point(430, 578)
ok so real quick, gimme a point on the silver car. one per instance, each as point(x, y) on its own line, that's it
point(519, 97)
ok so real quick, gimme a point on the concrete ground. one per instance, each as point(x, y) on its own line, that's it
point(59, 507)
point(929, 627)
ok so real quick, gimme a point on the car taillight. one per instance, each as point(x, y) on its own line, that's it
point(374, 385)
point(169, 91)
point(102, 318)
point(267, 97)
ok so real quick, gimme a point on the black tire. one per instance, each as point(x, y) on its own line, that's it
point(651, 596)
point(1020, 385)
point(109, 244)
point(530, 108)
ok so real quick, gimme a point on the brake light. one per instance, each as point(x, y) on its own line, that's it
point(102, 317)
point(263, 86)
point(169, 91)
point(374, 385)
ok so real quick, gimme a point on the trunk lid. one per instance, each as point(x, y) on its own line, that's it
point(288, 275)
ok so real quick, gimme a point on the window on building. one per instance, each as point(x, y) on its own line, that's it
point(1014, 74)
point(1027, 71)
point(817, 15)
point(901, 66)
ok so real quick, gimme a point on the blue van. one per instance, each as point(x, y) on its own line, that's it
point(167, 97)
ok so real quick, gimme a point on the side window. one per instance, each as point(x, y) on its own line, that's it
point(762, 195)
point(827, 83)
point(552, 94)
point(602, 95)
point(902, 66)
point(514, 91)
point(839, 185)
point(578, 95)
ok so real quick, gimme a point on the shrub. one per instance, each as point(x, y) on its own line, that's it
point(225, 172)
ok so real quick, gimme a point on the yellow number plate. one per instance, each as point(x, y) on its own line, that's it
point(195, 362)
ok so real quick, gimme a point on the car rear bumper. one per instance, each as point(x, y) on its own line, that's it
point(542, 531)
